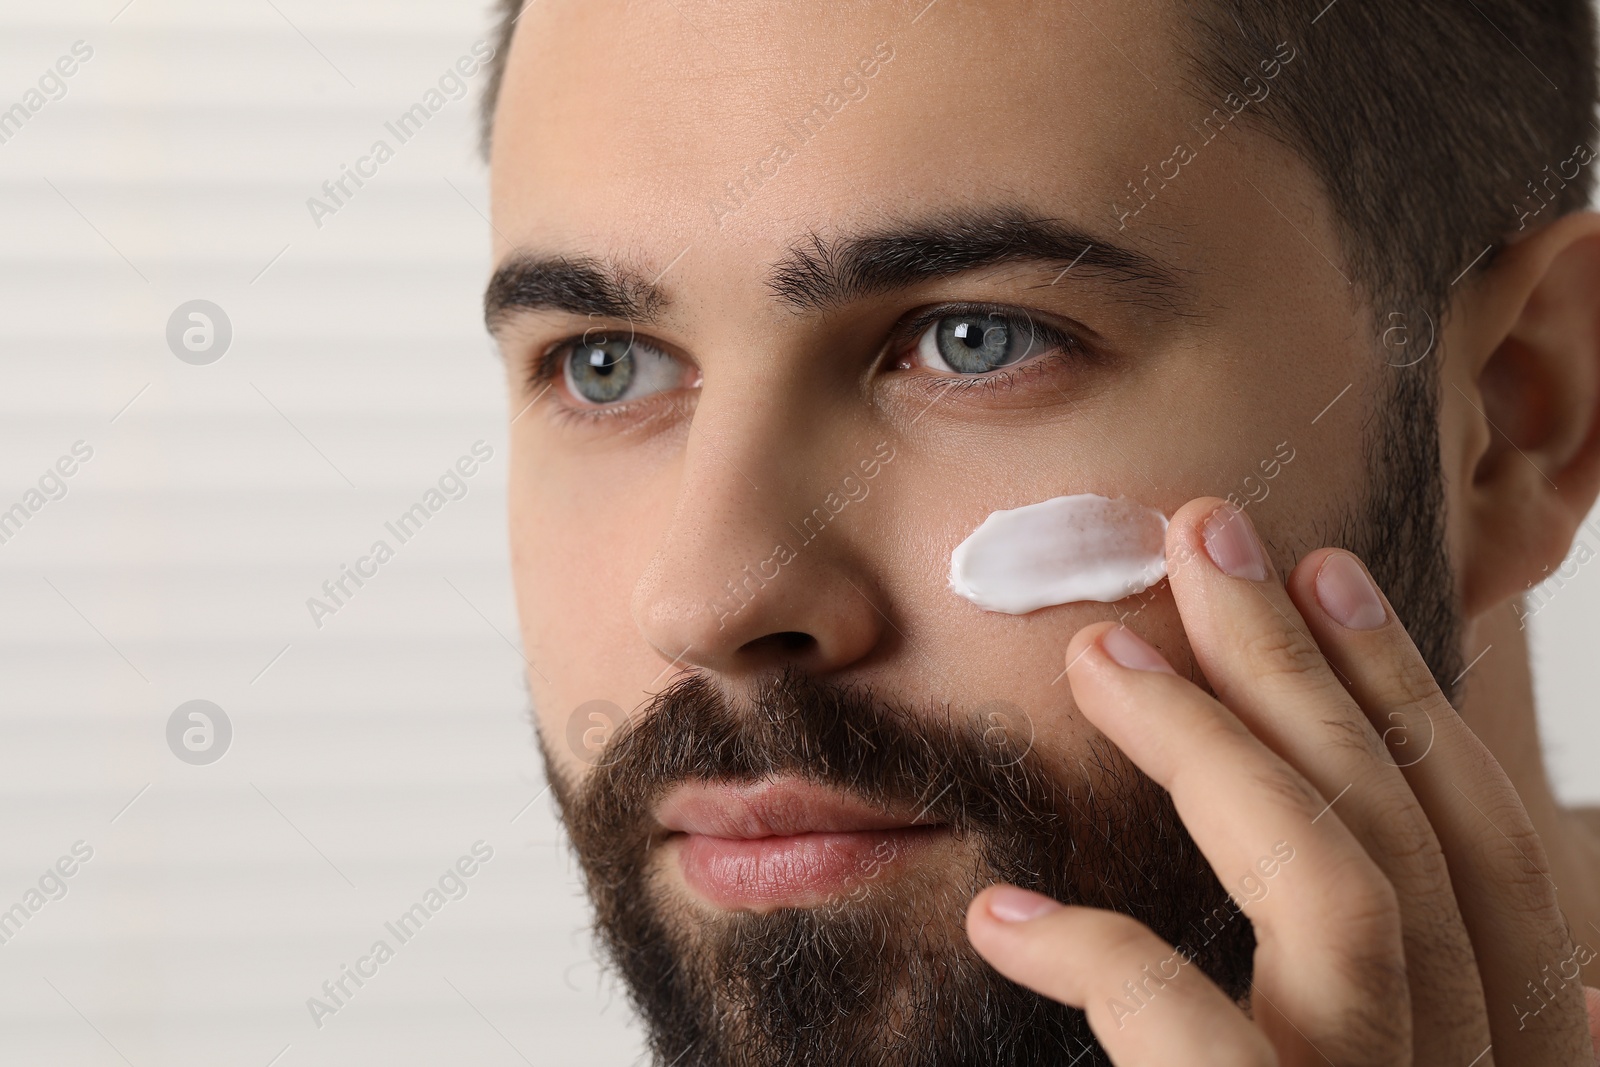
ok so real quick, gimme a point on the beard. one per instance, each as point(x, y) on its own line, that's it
point(883, 975)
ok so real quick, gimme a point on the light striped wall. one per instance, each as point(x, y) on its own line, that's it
point(377, 749)
point(370, 754)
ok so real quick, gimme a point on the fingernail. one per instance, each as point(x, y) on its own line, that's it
point(1346, 593)
point(1132, 651)
point(1010, 904)
point(1232, 544)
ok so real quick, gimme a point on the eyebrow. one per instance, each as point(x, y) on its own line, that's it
point(821, 273)
point(582, 285)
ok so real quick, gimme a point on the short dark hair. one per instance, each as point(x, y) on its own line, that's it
point(1436, 127)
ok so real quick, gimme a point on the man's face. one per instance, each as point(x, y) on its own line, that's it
point(775, 472)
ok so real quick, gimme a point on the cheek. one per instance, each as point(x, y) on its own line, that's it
point(1023, 662)
point(1007, 670)
point(575, 559)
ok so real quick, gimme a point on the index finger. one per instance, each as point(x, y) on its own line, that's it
point(1329, 950)
point(1253, 645)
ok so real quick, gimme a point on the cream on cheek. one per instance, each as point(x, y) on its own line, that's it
point(1066, 549)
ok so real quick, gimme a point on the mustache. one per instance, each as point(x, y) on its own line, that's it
point(969, 771)
point(976, 772)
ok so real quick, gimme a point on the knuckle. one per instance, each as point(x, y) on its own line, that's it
point(1403, 833)
point(1371, 901)
point(1517, 854)
point(1414, 852)
point(1355, 734)
point(1404, 845)
point(1412, 684)
point(1376, 1012)
point(1286, 784)
point(1364, 906)
point(1287, 655)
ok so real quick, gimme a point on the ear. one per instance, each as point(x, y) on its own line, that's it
point(1527, 400)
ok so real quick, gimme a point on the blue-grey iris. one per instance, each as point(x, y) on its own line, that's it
point(601, 370)
point(979, 343)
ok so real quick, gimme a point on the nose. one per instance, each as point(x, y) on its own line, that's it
point(767, 559)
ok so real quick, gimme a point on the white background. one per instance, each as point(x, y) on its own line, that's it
point(369, 754)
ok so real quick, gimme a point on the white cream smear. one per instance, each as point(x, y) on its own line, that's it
point(1067, 548)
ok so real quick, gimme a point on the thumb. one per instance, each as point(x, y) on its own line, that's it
point(1591, 1000)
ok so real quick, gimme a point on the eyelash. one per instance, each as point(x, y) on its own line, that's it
point(545, 367)
point(1060, 345)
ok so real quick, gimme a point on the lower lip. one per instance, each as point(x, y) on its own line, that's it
point(798, 870)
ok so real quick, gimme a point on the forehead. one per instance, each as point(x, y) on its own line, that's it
point(730, 129)
point(655, 108)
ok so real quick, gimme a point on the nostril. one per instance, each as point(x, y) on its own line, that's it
point(793, 641)
point(787, 642)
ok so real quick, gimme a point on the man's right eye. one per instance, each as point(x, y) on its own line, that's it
point(602, 371)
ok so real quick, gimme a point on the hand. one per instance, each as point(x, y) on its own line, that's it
point(1408, 910)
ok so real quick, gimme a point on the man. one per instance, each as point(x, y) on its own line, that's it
point(793, 296)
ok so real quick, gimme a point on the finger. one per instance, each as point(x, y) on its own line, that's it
point(1497, 863)
point(1265, 665)
point(1144, 1000)
point(1591, 998)
point(1327, 924)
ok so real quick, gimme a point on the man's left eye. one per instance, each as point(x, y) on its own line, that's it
point(602, 371)
point(979, 342)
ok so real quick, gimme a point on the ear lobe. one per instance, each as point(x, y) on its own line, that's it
point(1536, 409)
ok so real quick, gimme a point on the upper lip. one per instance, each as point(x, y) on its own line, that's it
point(772, 808)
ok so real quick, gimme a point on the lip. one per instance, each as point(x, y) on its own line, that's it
point(784, 842)
point(772, 808)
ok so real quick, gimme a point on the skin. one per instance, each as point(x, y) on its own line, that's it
point(1404, 920)
point(1395, 923)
